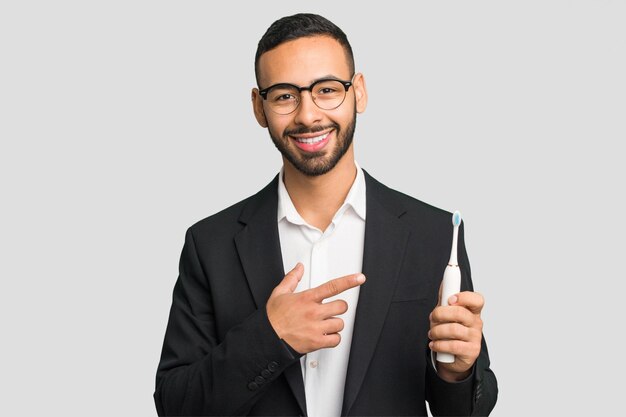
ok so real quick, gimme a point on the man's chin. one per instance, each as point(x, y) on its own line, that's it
point(313, 164)
point(313, 169)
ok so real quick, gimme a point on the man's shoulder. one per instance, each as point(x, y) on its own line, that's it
point(226, 216)
point(231, 219)
point(407, 207)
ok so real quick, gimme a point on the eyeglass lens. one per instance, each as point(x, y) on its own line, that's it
point(327, 95)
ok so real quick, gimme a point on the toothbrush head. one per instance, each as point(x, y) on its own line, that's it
point(456, 219)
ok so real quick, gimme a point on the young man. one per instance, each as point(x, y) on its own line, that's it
point(349, 330)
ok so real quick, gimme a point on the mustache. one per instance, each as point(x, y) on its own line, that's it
point(303, 130)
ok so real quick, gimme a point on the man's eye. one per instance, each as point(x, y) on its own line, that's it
point(326, 90)
point(284, 97)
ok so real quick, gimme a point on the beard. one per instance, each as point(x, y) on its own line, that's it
point(317, 163)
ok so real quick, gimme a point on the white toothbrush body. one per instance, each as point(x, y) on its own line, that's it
point(451, 279)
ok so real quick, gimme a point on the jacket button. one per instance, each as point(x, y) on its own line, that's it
point(272, 366)
point(253, 386)
point(265, 373)
point(259, 380)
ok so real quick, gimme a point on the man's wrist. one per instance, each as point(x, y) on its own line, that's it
point(450, 376)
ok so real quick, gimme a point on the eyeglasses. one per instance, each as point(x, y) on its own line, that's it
point(327, 94)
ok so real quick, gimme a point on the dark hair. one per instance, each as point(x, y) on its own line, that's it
point(299, 26)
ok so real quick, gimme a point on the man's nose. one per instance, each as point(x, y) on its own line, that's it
point(307, 113)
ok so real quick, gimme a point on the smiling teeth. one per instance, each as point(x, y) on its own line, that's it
point(312, 140)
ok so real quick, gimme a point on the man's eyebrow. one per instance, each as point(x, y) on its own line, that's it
point(324, 77)
point(327, 77)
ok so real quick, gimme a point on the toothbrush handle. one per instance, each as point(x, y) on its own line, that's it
point(451, 285)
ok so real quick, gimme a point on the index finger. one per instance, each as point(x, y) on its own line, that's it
point(336, 286)
point(473, 301)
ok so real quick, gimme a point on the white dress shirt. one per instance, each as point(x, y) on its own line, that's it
point(328, 254)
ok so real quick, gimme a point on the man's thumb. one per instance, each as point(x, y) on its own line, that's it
point(291, 280)
point(440, 290)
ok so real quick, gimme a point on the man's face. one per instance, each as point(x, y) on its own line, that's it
point(311, 139)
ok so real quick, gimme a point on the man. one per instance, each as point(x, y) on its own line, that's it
point(350, 328)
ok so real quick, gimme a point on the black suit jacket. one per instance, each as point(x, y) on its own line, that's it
point(222, 357)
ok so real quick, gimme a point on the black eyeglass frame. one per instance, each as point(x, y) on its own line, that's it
point(346, 85)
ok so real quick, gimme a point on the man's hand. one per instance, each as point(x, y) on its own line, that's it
point(457, 329)
point(301, 319)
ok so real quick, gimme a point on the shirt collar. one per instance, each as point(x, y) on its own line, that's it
point(354, 199)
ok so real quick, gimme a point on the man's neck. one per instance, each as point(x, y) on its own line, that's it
point(317, 199)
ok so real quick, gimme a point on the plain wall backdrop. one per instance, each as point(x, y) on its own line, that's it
point(124, 122)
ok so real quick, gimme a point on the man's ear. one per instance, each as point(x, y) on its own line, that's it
point(257, 107)
point(360, 91)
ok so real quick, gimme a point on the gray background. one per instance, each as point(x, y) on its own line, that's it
point(124, 122)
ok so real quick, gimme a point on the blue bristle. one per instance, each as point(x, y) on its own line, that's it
point(456, 218)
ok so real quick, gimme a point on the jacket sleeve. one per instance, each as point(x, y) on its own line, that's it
point(477, 394)
point(199, 375)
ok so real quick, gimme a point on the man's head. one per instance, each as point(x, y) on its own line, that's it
point(316, 129)
point(298, 26)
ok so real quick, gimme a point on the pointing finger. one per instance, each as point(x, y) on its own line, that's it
point(336, 286)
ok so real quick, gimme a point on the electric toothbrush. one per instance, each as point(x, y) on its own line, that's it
point(451, 279)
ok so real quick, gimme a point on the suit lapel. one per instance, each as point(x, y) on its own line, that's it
point(258, 245)
point(385, 243)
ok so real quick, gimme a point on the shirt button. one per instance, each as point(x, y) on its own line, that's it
point(313, 364)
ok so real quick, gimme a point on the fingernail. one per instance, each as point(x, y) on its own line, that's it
point(430, 345)
point(360, 278)
point(452, 299)
point(430, 317)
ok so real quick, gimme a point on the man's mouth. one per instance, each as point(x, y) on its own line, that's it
point(312, 142)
